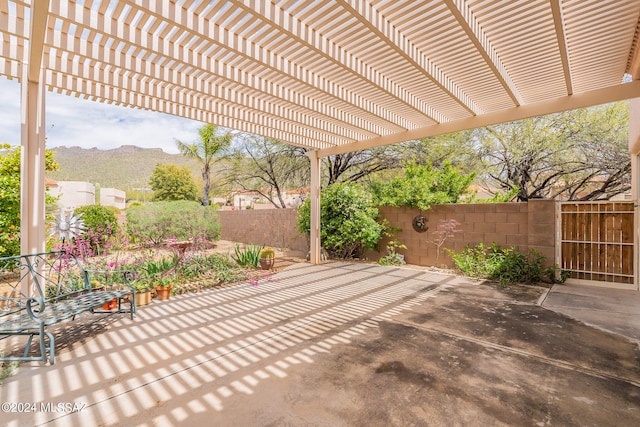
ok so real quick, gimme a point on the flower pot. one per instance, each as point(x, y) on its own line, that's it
point(163, 292)
point(111, 305)
point(143, 298)
point(266, 263)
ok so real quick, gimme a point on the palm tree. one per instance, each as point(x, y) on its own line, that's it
point(205, 151)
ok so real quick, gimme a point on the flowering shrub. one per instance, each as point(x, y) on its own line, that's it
point(446, 229)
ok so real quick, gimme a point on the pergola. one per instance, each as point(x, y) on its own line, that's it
point(331, 75)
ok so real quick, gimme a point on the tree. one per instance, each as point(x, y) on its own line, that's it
point(10, 197)
point(420, 186)
point(205, 151)
point(349, 217)
point(268, 167)
point(458, 148)
point(357, 165)
point(171, 182)
point(575, 155)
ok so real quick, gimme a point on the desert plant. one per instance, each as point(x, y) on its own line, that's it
point(156, 267)
point(267, 253)
point(505, 265)
point(223, 268)
point(7, 369)
point(393, 257)
point(184, 220)
point(247, 255)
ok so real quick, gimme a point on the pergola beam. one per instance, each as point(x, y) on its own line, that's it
point(470, 25)
point(572, 102)
point(558, 21)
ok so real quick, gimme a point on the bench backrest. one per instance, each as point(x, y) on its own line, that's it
point(46, 276)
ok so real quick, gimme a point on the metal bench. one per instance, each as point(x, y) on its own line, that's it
point(41, 290)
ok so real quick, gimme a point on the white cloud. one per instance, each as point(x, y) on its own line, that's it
point(78, 122)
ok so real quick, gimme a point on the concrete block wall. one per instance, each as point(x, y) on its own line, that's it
point(521, 225)
point(269, 227)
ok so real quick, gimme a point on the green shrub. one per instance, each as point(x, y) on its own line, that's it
point(393, 257)
point(156, 222)
point(504, 265)
point(99, 219)
point(349, 223)
point(247, 256)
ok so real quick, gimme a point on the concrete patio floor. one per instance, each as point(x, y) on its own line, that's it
point(337, 344)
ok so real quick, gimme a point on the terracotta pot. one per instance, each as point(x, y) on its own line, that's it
point(163, 292)
point(111, 305)
point(143, 298)
point(267, 263)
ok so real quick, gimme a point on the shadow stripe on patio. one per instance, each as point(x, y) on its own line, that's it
point(207, 346)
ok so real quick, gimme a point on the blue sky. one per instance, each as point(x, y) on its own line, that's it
point(78, 122)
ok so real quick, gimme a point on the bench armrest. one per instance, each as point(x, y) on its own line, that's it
point(35, 307)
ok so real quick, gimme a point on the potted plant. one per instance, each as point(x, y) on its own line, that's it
point(163, 288)
point(267, 258)
point(159, 274)
point(143, 292)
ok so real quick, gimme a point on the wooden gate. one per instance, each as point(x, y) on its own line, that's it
point(596, 243)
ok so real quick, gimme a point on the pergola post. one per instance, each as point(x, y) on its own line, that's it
point(32, 159)
point(634, 145)
point(315, 207)
point(634, 151)
point(32, 167)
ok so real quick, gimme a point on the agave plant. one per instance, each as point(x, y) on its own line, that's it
point(247, 255)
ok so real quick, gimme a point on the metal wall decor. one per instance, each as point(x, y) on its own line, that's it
point(419, 223)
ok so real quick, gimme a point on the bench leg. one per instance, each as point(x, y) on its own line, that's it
point(132, 306)
point(43, 345)
point(52, 348)
point(28, 348)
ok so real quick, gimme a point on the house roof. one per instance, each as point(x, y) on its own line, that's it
point(331, 75)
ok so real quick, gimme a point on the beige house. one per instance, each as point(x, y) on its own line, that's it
point(113, 197)
point(73, 194)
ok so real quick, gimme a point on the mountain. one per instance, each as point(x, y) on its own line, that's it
point(125, 168)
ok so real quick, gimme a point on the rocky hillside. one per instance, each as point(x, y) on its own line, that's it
point(125, 168)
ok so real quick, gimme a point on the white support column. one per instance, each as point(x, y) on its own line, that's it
point(32, 160)
point(32, 166)
point(634, 151)
point(315, 206)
